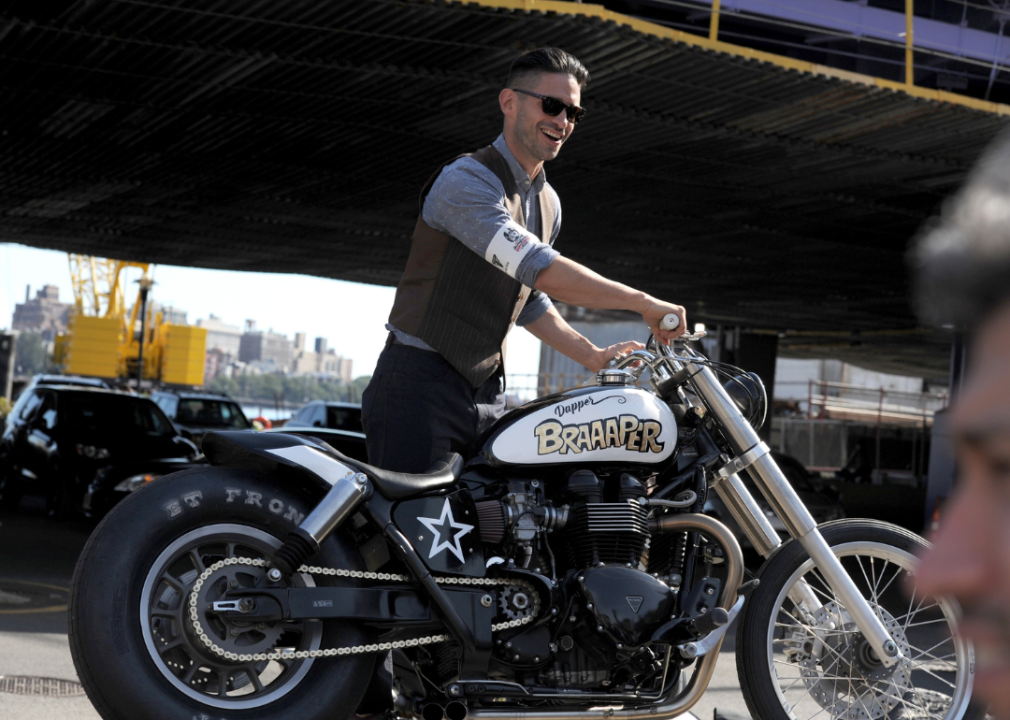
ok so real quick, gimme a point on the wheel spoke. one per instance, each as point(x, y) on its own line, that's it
point(921, 667)
point(254, 677)
point(197, 560)
point(175, 582)
point(191, 673)
point(170, 645)
point(897, 573)
point(222, 681)
point(928, 622)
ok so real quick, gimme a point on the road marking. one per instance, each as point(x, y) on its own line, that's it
point(33, 592)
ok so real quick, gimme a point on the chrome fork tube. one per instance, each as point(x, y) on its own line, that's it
point(748, 515)
point(795, 516)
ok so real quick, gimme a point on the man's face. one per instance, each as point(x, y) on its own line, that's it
point(540, 136)
point(971, 557)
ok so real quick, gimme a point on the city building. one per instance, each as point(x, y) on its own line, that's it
point(322, 362)
point(257, 346)
point(169, 314)
point(43, 314)
point(221, 336)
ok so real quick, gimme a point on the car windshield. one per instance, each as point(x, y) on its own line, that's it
point(341, 418)
point(111, 413)
point(215, 413)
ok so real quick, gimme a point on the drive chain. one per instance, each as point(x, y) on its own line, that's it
point(194, 614)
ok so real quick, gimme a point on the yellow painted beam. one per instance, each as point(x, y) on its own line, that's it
point(909, 43)
point(713, 26)
point(562, 7)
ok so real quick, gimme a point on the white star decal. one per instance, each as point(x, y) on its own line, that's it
point(451, 543)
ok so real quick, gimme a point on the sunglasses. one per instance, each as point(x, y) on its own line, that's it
point(554, 107)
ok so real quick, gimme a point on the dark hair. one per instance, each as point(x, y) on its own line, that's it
point(545, 60)
point(961, 260)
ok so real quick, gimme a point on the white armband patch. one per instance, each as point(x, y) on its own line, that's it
point(509, 246)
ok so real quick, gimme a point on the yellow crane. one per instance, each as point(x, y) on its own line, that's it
point(104, 341)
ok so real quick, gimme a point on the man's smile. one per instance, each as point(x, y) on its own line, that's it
point(554, 136)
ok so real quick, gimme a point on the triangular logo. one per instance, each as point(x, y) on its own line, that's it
point(635, 601)
point(495, 261)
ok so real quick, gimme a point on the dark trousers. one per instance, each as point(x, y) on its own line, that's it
point(417, 408)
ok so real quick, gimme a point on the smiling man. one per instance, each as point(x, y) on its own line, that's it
point(481, 261)
point(964, 280)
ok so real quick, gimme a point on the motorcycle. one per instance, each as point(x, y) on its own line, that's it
point(565, 572)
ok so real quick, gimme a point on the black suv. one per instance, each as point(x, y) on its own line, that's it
point(199, 412)
point(85, 448)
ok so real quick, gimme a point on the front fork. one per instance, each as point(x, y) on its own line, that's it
point(754, 456)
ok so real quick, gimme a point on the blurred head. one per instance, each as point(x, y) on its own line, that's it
point(963, 279)
point(533, 135)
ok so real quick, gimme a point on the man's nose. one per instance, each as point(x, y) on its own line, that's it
point(958, 562)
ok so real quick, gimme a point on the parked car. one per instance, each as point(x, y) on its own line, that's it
point(86, 448)
point(198, 412)
point(821, 498)
point(333, 415)
point(47, 379)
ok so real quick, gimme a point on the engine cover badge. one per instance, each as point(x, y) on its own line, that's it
point(627, 603)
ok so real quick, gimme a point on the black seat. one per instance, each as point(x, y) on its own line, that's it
point(254, 451)
point(397, 486)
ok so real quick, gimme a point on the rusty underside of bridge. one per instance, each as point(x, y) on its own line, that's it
point(294, 136)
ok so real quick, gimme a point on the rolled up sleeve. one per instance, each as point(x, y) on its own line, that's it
point(467, 202)
point(535, 307)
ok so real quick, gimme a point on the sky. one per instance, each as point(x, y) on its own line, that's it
point(350, 315)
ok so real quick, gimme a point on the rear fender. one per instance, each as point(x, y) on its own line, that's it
point(305, 464)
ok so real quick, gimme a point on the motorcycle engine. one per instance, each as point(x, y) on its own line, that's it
point(596, 542)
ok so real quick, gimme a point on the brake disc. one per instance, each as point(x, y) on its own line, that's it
point(840, 669)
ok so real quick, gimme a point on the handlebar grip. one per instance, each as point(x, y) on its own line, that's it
point(670, 322)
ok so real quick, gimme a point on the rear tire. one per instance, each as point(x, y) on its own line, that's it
point(795, 667)
point(132, 642)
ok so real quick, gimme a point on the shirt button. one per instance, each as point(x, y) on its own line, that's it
point(520, 296)
point(512, 320)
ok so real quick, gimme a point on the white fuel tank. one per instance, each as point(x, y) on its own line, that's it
point(601, 424)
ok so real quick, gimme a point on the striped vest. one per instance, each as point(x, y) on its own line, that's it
point(452, 298)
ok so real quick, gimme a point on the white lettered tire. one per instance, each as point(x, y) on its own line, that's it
point(133, 643)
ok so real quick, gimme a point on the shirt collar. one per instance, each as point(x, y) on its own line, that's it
point(522, 178)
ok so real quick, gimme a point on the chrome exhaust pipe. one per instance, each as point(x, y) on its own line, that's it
point(667, 708)
point(455, 710)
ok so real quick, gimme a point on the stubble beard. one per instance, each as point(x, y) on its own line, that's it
point(528, 135)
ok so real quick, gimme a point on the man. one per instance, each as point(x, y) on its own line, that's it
point(482, 260)
point(964, 280)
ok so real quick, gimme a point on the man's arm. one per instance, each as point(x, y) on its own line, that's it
point(552, 329)
point(568, 281)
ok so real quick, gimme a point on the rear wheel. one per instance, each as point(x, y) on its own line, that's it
point(795, 664)
point(132, 637)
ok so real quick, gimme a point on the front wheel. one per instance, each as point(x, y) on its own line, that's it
point(797, 664)
point(132, 637)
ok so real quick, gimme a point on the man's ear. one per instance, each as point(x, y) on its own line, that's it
point(507, 100)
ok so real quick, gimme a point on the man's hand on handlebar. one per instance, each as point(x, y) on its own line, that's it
point(654, 316)
point(604, 355)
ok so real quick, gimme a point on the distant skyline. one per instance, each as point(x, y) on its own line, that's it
point(350, 315)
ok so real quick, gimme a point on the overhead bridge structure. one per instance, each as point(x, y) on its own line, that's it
point(758, 190)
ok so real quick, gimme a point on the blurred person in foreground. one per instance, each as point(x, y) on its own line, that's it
point(963, 279)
